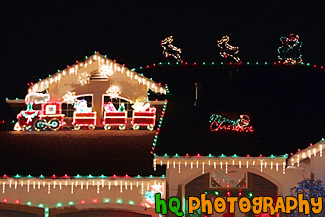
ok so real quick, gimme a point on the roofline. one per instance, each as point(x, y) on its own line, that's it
point(152, 85)
point(308, 152)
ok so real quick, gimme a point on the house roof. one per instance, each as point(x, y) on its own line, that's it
point(282, 100)
point(99, 61)
point(81, 152)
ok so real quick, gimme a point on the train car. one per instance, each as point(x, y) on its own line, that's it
point(144, 118)
point(50, 117)
point(83, 116)
point(115, 118)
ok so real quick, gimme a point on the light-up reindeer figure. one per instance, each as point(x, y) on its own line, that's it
point(228, 50)
point(171, 50)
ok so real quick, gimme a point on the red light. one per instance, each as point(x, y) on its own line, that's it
point(94, 201)
point(230, 63)
point(321, 67)
point(114, 176)
point(274, 63)
point(261, 155)
point(126, 175)
point(228, 193)
point(298, 149)
point(68, 66)
point(291, 154)
point(53, 176)
point(17, 201)
point(185, 63)
point(198, 155)
point(247, 155)
point(123, 65)
point(77, 61)
point(5, 200)
point(147, 66)
point(186, 155)
point(314, 66)
point(154, 64)
point(5, 176)
point(114, 60)
point(83, 202)
point(194, 63)
point(311, 144)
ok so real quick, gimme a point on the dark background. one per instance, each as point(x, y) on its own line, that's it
point(40, 37)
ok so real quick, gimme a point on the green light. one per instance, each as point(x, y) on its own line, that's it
point(16, 98)
point(203, 63)
point(177, 63)
point(131, 202)
point(46, 215)
point(166, 155)
point(216, 193)
point(176, 155)
point(102, 176)
point(256, 63)
point(29, 176)
point(119, 201)
point(222, 155)
point(235, 155)
point(212, 63)
point(59, 205)
point(205, 192)
point(41, 205)
point(90, 176)
point(106, 200)
point(163, 176)
point(308, 64)
point(265, 63)
point(29, 203)
point(272, 155)
point(210, 155)
point(168, 63)
point(138, 176)
point(133, 69)
point(150, 176)
point(71, 203)
point(46, 209)
point(250, 194)
point(40, 79)
point(7, 99)
point(160, 63)
point(17, 176)
point(42, 177)
point(140, 67)
point(247, 63)
point(221, 63)
point(78, 176)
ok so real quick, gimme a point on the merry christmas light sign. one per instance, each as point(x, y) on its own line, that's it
point(241, 124)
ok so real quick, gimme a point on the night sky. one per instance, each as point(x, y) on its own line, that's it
point(39, 37)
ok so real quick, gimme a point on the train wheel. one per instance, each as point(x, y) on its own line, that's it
point(91, 127)
point(122, 127)
point(23, 128)
point(40, 125)
point(28, 128)
point(54, 124)
point(107, 127)
point(150, 127)
point(76, 127)
point(136, 127)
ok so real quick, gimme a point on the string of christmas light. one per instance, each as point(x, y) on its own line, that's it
point(170, 50)
point(106, 67)
point(228, 50)
point(290, 50)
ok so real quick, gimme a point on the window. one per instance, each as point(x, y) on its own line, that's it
point(117, 102)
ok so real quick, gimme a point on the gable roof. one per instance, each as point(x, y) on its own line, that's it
point(99, 61)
